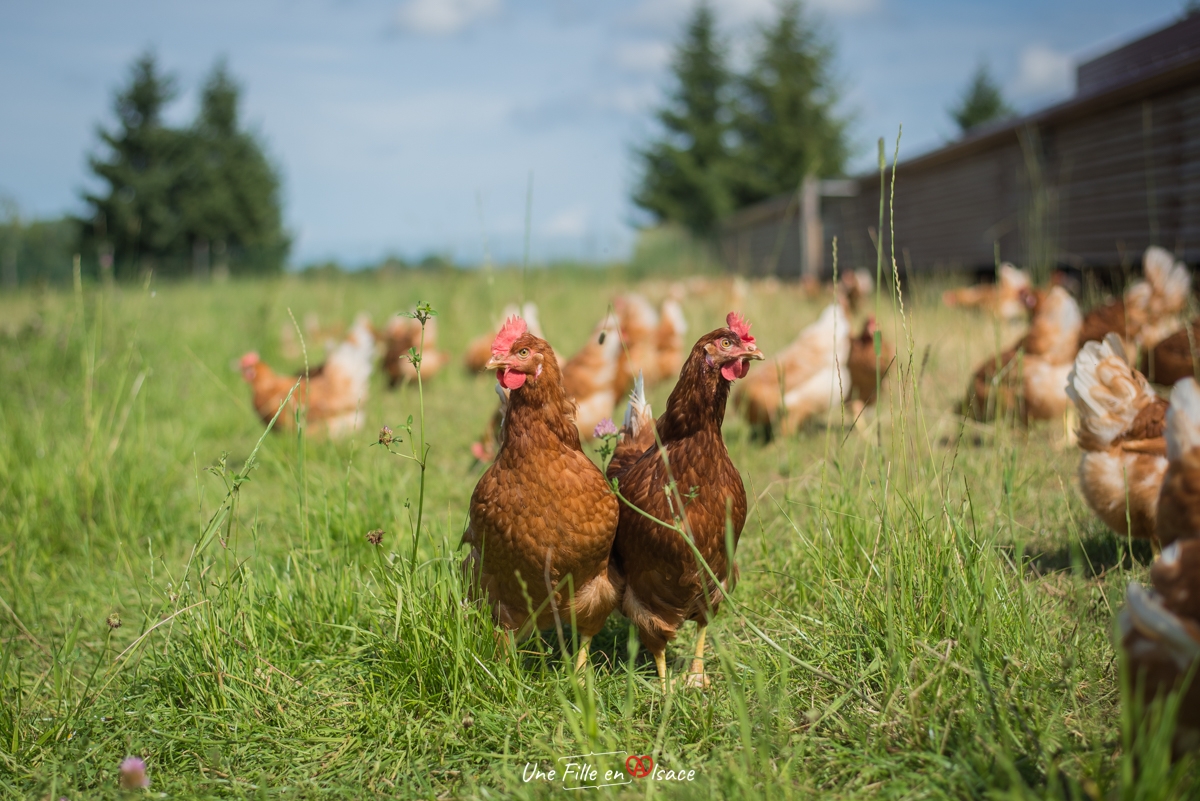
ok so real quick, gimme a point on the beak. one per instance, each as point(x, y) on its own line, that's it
point(495, 363)
point(754, 354)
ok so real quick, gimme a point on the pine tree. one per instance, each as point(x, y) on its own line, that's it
point(786, 121)
point(182, 200)
point(685, 174)
point(981, 101)
point(136, 224)
point(231, 209)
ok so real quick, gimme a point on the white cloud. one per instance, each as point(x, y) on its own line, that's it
point(669, 14)
point(444, 17)
point(642, 57)
point(1043, 71)
point(572, 222)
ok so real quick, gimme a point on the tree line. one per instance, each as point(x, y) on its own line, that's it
point(198, 200)
point(728, 140)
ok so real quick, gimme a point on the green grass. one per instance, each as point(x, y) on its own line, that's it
point(920, 615)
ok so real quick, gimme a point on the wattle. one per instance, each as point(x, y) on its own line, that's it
point(735, 369)
point(509, 379)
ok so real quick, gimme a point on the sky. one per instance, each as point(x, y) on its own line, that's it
point(411, 127)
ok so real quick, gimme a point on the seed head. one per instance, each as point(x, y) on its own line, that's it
point(114, 621)
point(375, 536)
point(385, 436)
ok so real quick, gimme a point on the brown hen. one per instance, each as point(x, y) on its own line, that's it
point(1179, 501)
point(1150, 309)
point(664, 584)
point(1160, 636)
point(866, 371)
point(1031, 377)
point(1121, 427)
point(542, 517)
point(1174, 358)
point(332, 394)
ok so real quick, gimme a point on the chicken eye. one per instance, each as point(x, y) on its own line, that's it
point(523, 353)
point(725, 343)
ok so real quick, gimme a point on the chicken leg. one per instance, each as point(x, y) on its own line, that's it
point(696, 678)
point(660, 662)
point(585, 644)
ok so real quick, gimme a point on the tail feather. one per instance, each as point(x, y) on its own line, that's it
point(1169, 280)
point(637, 431)
point(1107, 392)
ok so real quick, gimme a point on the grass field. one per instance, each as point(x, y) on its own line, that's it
point(921, 615)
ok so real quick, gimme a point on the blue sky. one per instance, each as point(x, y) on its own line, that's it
point(412, 126)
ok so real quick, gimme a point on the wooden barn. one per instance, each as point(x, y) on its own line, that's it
point(1086, 183)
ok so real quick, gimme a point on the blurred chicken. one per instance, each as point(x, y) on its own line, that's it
point(1032, 376)
point(814, 373)
point(590, 376)
point(1160, 636)
point(1175, 357)
point(1151, 309)
point(639, 342)
point(480, 349)
point(1179, 502)
point(487, 446)
point(1121, 428)
point(333, 393)
point(1005, 299)
point(863, 366)
point(672, 330)
point(402, 333)
point(542, 517)
point(856, 286)
point(652, 341)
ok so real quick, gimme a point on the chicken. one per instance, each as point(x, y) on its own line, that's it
point(1160, 635)
point(639, 341)
point(664, 585)
point(856, 286)
point(1175, 357)
point(1005, 299)
point(480, 348)
point(672, 328)
point(542, 517)
point(813, 371)
point(1121, 427)
point(864, 367)
point(1150, 310)
point(332, 394)
point(1035, 383)
point(652, 341)
point(590, 376)
point(1179, 501)
point(402, 333)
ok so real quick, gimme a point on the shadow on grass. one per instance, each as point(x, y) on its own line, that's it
point(1095, 554)
point(610, 648)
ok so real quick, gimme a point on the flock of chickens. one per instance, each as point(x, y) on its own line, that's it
point(1140, 464)
point(551, 536)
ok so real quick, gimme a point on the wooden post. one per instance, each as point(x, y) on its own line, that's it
point(812, 235)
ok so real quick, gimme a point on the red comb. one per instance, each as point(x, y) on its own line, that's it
point(737, 323)
point(249, 360)
point(514, 327)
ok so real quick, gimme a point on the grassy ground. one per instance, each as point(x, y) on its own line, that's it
point(921, 615)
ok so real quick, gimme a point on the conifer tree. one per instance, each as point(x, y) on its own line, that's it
point(786, 120)
point(982, 101)
point(136, 222)
point(685, 174)
point(231, 209)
